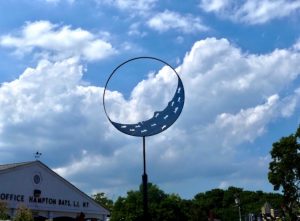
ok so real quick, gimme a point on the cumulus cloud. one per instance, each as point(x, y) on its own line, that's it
point(231, 98)
point(247, 124)
point(251, 11)
point(39, 99)
point(169, 20)
point(59, 41)
point(220, 68)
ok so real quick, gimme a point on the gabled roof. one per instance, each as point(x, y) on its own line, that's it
point(14, 165)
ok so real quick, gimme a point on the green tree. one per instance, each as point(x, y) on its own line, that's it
point(23, 214)
point(284, 172)
point(102, 200)
point(221, 203)
point(217, 203)
point(162, 206)
point(170, 207)
point(128, 208)
point(3, 210)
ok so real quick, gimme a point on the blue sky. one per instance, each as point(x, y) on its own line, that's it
point(239, 62)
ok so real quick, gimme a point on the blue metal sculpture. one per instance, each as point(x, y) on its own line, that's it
point(160, 121)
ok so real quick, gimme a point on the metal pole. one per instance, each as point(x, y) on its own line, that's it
point(240, 215)
point(238, 204)
point(145, 186)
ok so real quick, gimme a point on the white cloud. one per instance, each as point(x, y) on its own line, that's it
point(169, 20)
point(134, 30)
point(263, 11)
point(86, 164)
point(251, 11)
point(213, 5)
point(136, 6)
point(42, 100)
point(231, 98)
point(297, 45)
point(223, 185)
point(247, 124)
point(58, 1)
point(228, 80)
point(59, 41)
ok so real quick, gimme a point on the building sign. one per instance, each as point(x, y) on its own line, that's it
point(43, 200)
point(11, 197)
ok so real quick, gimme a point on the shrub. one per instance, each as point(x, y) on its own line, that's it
point(3, 210)
point(23, 214)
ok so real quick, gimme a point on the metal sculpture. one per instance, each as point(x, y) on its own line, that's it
point(160, 121)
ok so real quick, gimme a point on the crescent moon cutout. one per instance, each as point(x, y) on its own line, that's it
point(161, 120)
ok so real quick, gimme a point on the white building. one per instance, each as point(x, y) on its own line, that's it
point(45, 193)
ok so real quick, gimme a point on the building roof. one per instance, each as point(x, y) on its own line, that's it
point(13, 165)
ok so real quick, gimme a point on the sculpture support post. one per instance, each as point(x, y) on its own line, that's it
point(161, 120)
point(145, 184)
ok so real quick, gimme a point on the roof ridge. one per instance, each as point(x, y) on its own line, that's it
point(14, 165)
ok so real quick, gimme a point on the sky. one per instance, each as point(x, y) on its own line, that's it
point(239, 62)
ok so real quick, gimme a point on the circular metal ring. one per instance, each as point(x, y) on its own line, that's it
point(161, 120)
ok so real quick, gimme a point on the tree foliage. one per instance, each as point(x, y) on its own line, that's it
point(284, 172)
point(23, 214)
point(102, 200)
point(3, 211)
point(217, 203)
point(162, 206)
